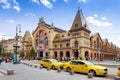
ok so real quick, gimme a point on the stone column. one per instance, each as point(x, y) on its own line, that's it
point(82, 53)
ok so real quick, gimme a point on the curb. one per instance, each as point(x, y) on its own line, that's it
point(6, 72)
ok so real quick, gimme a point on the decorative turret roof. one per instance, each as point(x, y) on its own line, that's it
point(79, 22)
point(27, 37)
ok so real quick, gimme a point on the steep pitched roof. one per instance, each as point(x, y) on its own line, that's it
point(79, 22)
point(27, 36)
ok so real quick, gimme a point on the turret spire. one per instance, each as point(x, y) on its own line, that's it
point(79, 21)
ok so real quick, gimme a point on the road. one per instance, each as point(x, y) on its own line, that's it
point(24, 72)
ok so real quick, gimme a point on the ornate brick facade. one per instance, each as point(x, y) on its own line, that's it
point(77, 43)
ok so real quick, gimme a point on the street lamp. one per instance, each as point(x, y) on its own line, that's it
point(18, 30)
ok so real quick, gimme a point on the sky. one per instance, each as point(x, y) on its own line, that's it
point(102, 16)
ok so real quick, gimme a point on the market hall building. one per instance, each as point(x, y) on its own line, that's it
point(77, 43)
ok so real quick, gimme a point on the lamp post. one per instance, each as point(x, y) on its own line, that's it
point(18, 30)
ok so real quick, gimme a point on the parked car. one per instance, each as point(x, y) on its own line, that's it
point(84, 66)
point(51, 63)
point(118, 72)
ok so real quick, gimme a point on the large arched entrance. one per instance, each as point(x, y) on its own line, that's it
point(67, 54)
point(41, 54)
point(55, 55)
point(86, 55)
point(47, 55)
point(61, 55)
point(76, 54)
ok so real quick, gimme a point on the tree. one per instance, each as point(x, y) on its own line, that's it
point(32, 53)
point(0, 49)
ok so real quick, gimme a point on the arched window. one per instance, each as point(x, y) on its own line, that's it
point(41, 37)
point(60, 45)
point(46, 41)
point(76, 44)
point(55, 46)
point(67, 45)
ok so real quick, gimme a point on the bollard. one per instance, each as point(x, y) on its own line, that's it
point(48, 69)
point(90, 75)
point(71, 72)
point(58, 70)
point(41, 67)
point(30, 65)
point(117, 78)
point(35, 66)
point(10, 72)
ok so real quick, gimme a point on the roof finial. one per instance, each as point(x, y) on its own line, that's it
point(41, 19)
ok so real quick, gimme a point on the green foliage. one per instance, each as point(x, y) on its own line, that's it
point(2, 51)
point(32, 52)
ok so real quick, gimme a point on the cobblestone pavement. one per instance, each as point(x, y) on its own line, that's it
point(24, 72)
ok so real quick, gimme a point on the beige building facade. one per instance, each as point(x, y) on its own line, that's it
point(77, 43)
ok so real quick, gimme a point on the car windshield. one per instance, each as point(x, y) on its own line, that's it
point(89, 63)
point(53, 60)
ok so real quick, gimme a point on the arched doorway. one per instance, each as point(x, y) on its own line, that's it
point(61, 55)
point(76, 54)
point(55, 55)
point(67, 54)
point(86, 55)
point(41, 54)
point(46, 55)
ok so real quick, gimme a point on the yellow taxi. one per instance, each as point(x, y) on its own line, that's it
point(84, 66)
point(51, 63)
point(118, 72)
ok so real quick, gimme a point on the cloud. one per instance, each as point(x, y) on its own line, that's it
point(36, 1)
point(4, 37)
point(46, 3)
point(95, 15)
point(104, 18)
point(11, 21)
point(5, 4)
point(92, 20)
point(17, 8)
point(66, 1)
point(54, 0)
point(82, 1)
point(15, 2)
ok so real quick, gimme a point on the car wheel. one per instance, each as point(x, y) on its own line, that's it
point(68, 69)
point(53, 67)
point(93, 72)
point(42, 65)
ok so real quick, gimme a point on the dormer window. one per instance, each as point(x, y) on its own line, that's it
point(68, 34)
point(76, 25)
